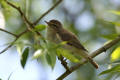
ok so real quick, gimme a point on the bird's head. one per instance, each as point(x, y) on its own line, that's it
point(54, 24)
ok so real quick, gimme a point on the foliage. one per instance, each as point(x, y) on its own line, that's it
point(40, 27)
point(36, 38)
point(24, 57)
point(114, 69)
point(67, 54)
point(115, 54)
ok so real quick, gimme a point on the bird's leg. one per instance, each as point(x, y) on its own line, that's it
point(63, 62)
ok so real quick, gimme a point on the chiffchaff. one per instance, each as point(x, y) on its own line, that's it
point(57, 34)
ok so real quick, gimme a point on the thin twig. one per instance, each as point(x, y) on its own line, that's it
point(8, 32)
point(73, 68)
point(29, 25)
point(94, 54)
point(20, 11)
point(9, 46)
point(49, 10)
point(23, 33)
point(27, 22)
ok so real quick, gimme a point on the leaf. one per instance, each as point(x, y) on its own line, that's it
point(48, 59)
point(40, 27)
point(67, 54)
point(114, 69)
point(115, 23)
point(110, 36)
point(59, 45)
point(37, 53)
point(115, 12)
point(1, 1)
point(51, 59)
point(116, 61)
point(107, 42)
point(56, 48)
point(24, 57)
point(8, 8)
point(20, 47)
point(50, 52)
point(63, 43)
point(105, 72)
point(115, 54)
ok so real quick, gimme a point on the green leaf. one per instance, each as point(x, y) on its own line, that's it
point(24, 57)
point(114, 69)
point(50, 52)
point(116, 61)
point(56, 48)
point(67, 54)
point(115, 12)
point(110, 36)
point(20, 47)
point(115, 54)
point(40, 27)
point(1, 0)
point(60, 44)
point(51, 59)
point(115, 23)
point(8, 8)
point(48, 58)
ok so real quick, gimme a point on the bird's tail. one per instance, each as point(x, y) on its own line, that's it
point(86, 56)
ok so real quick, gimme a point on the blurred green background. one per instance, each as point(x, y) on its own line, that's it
point(95, 22)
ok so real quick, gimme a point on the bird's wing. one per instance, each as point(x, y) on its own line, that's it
point(76, 43)
point(72, 40)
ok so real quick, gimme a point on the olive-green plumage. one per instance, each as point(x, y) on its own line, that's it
point(57, 33)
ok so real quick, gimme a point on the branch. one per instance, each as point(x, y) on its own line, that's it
point(8, 46)
point(8, 32)
point(29, 25)
point(17, 37)
point(54, 6)
point(20, 11)
point(94, 54)
point(27, 22)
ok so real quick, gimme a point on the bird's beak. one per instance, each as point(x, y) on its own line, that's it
point(46, 22)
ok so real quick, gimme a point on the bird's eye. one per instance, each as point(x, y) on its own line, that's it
point(55, 26)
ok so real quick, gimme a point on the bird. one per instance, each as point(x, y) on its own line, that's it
point(57, 33)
